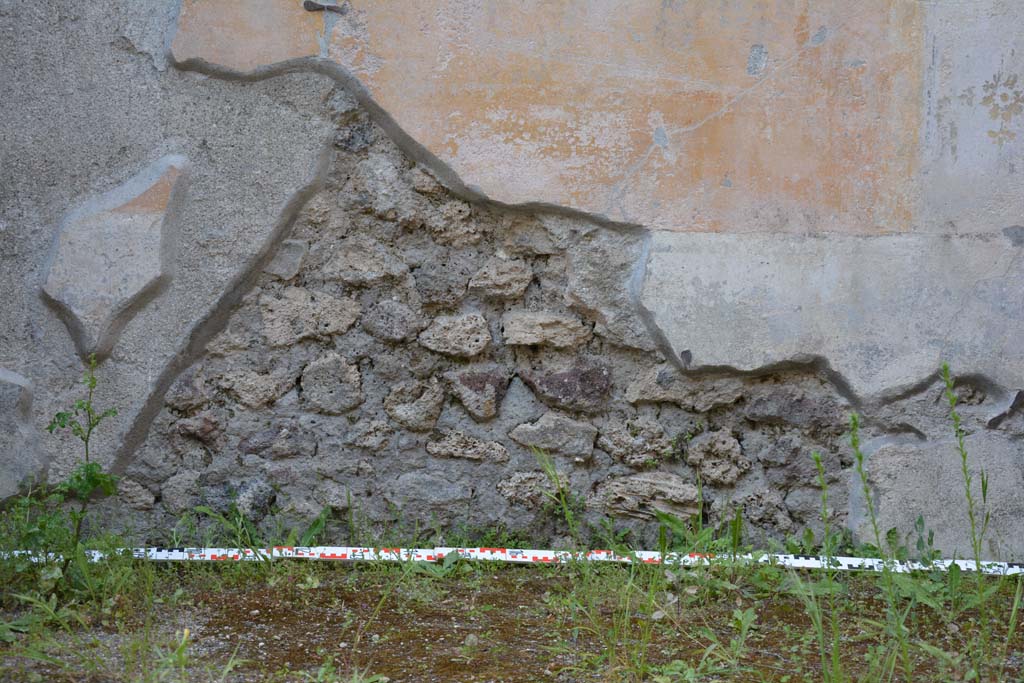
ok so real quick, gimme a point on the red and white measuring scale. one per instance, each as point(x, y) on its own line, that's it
point(530, 556)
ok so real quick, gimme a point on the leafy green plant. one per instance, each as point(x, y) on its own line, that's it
point(87, 479)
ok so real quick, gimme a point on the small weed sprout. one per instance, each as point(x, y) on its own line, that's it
point(895, 619)
point(978, 527)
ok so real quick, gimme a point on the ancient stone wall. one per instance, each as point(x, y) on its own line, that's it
point(368, 259)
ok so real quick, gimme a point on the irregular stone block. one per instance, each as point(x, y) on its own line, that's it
point(450, 224)
point(288, 260)
point(584, 387)
point(286, 439)
point(665, 384)
point(764, 513)
point(180, 493)
point(392, 321)
point(252, 389)
point(442, 282)
point(19, 458)
point(718, 456)
point(362, 260)
point(640, 495)
point(925, 479)
point(526, 235)
point(112, 256)
point(556, 433)
point(502, 279)
point(533, 328)
point(203, 427)
point(601, 266)
point(253, 499)
point(462, 336)
point(428, 492)
point(332, 385)
point(135, 495)
point(299, 314)
point(479, 389)
point(456, 444)
point(188, 393)
point(788, 405)
point(639, 442)
point(334, 316)
point(372, 435)
point(532, 489)
point(415, 405)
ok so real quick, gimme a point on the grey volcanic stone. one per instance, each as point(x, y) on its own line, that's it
point(764, 509)
point(718, 456)
point(188, 393)
point(254, 498)
point(288, 260)
point(639, 442)
point(530, 236)
point(665, 384)
point(253, 389)
point(203, 427)
point(332, 385)
point(286, 439)
point(362, 260)
point(442, 282)
point(480, 389)
point(135, 495)
point(534, 328)
point(392, 321)
point(450, 224)
point(373, 435)
point(556, 433)
point(502, 279)
point(463, 336)
point(788, 405)
point(423, 494)
point(601, 264)
point(640, 495)
point(180, 493)
point(456, 444)
point(584, 387)
point(299, 314)
point(416, 405)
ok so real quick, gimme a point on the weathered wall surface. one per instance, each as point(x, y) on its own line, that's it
point(366, 259)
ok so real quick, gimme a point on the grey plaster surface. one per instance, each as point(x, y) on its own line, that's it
point(90, 103)
point(19, 459)
point(881, 313)
point(924, 479)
